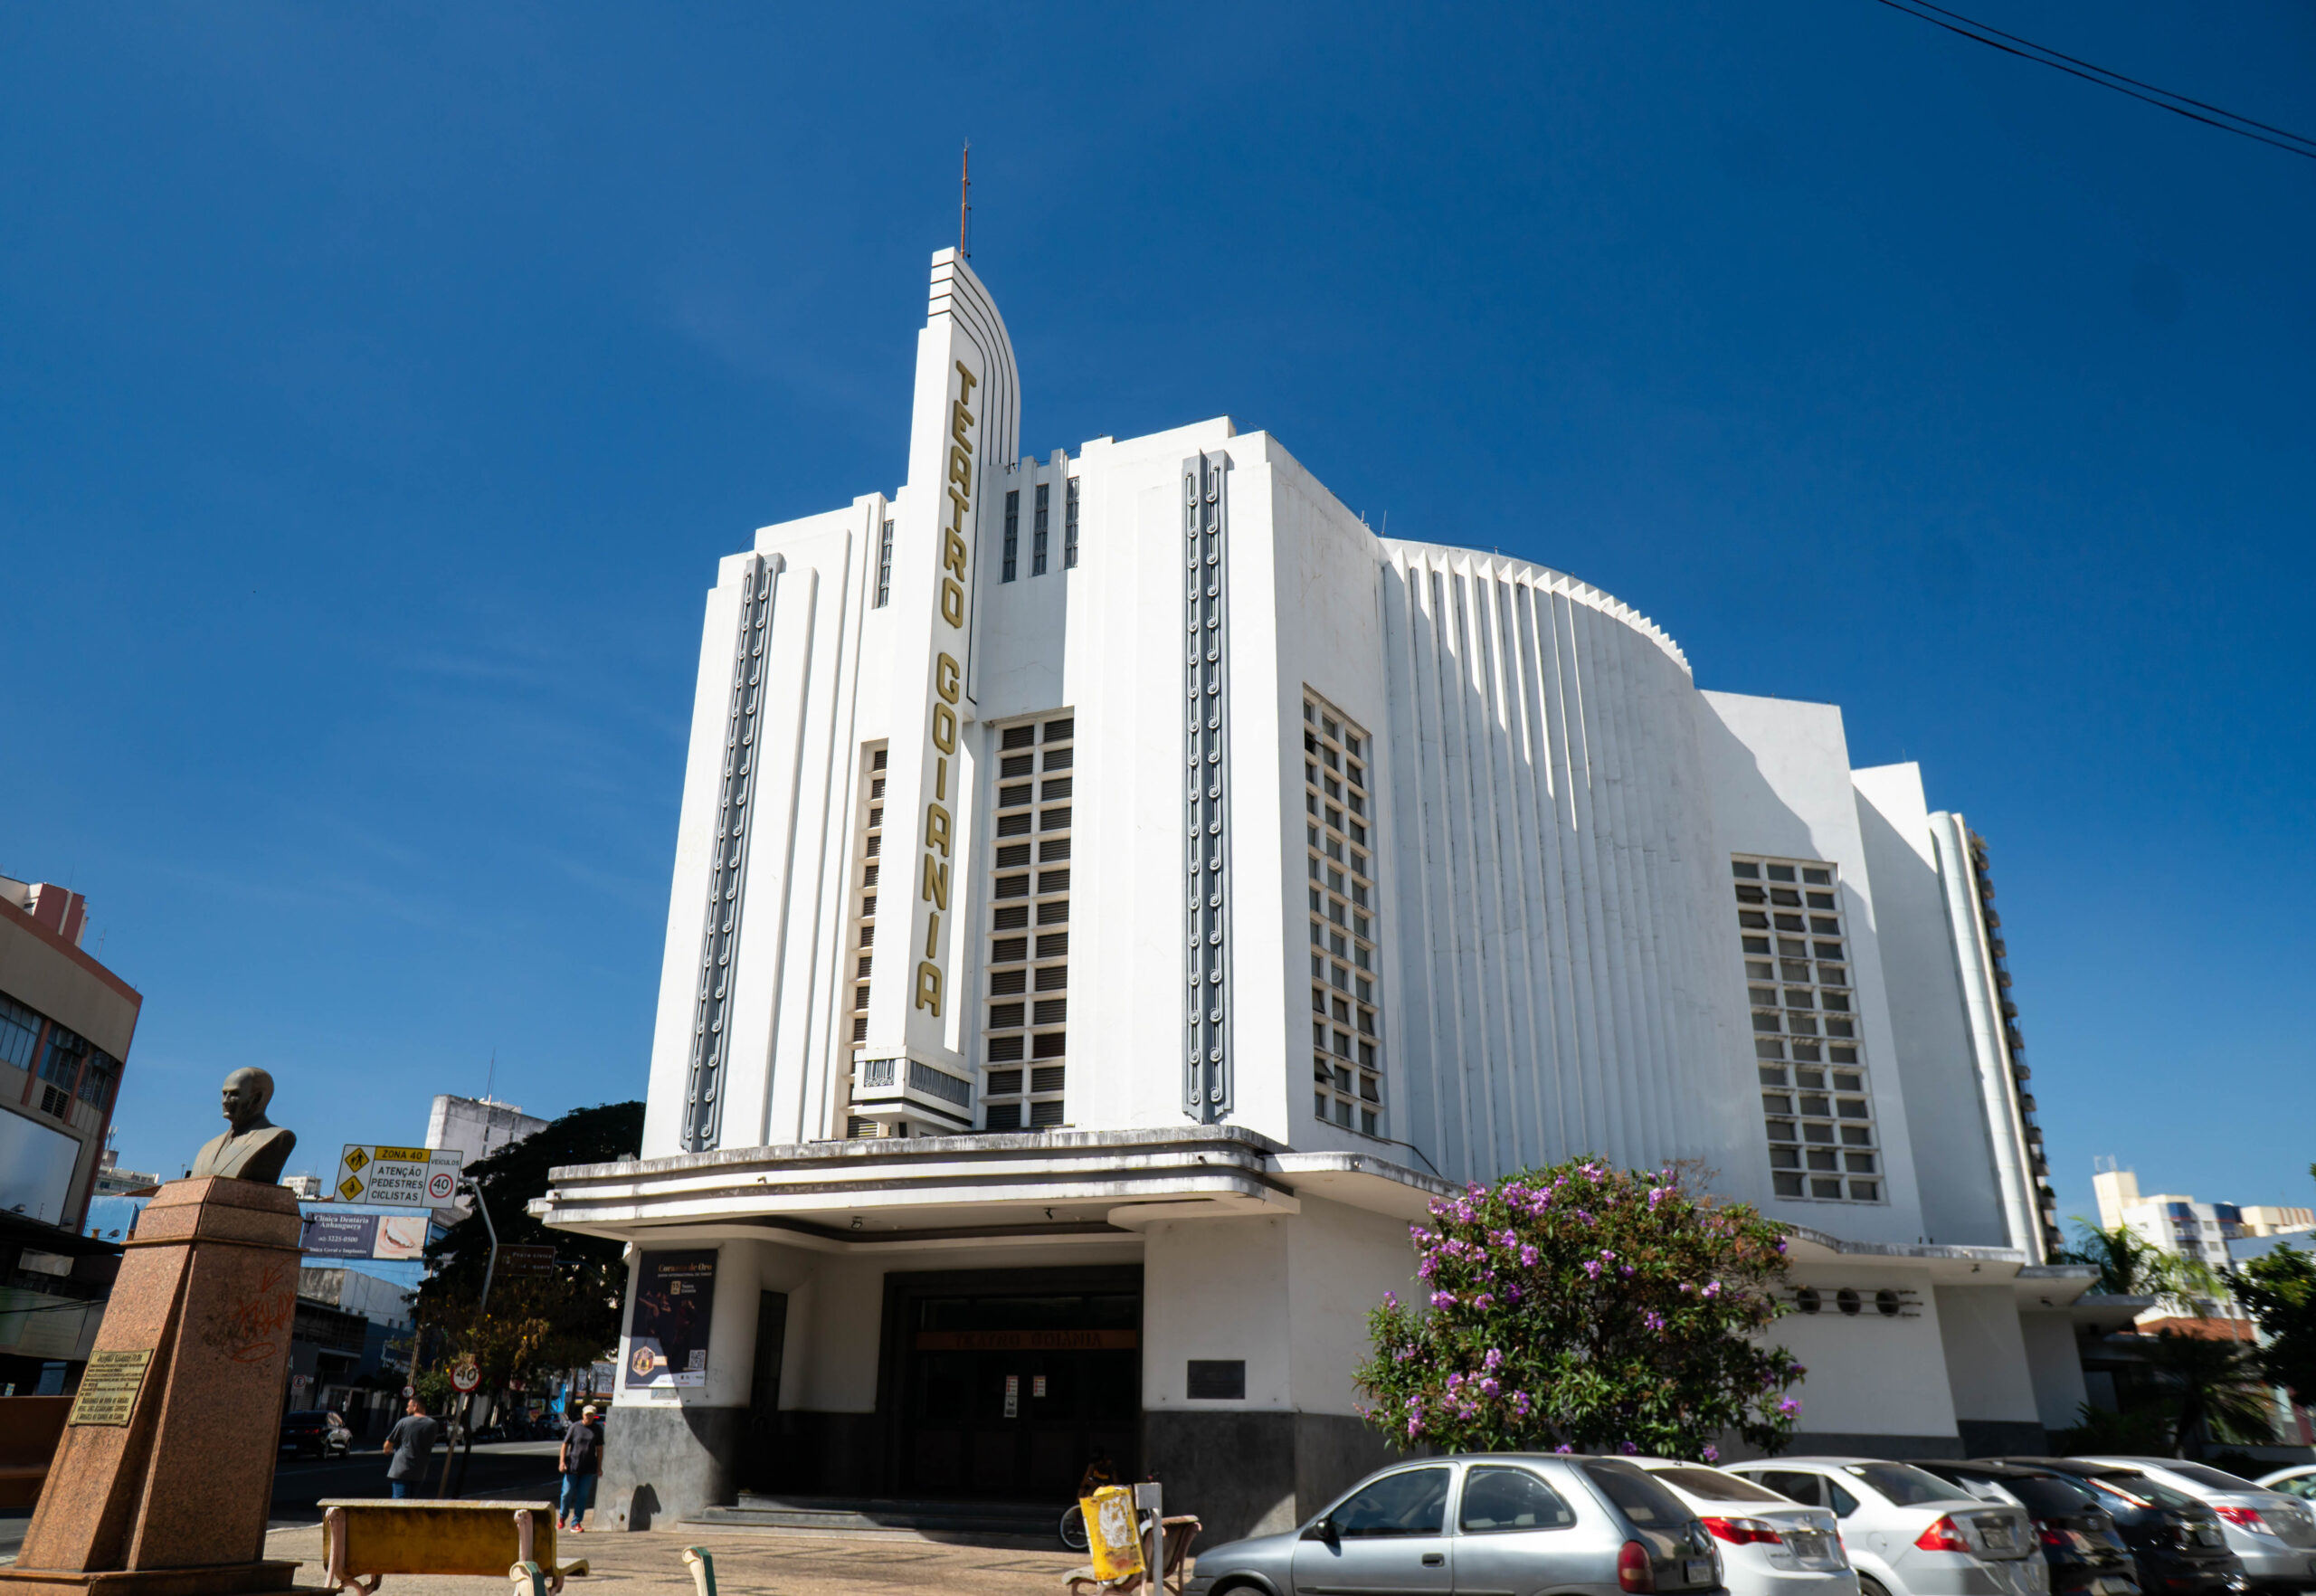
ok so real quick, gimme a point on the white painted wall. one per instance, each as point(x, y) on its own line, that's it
point(2055, 1367)
point(1869, 1375)
point(1985, 1354)
point(1954, 1150)
point(1780, 775)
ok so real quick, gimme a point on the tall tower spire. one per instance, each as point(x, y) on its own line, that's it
point(964, 203)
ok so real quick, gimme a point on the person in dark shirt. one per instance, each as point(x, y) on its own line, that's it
point(410, 1440)
point(579, 1464)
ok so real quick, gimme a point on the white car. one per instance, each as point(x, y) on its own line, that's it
point(1911, 1533)
point(1771, 1545)
point(2272, 1531)
point(2299, 1481)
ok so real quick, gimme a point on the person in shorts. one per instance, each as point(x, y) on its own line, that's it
point(411, 1440)
point(581, 1463)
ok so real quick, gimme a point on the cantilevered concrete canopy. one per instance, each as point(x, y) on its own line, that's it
point(977, 1190)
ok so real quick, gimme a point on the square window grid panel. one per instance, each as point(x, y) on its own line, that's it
point(1025, 1045)
point(1346, 1031)
point(860, 888)
point(1815, 1102)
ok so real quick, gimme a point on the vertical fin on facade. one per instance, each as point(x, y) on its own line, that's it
point(719, 939)
point(1206, 1084)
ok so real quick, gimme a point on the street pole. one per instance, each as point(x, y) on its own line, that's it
point(482, 1307)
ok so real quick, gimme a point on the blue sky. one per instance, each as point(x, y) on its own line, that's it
point(378, 387)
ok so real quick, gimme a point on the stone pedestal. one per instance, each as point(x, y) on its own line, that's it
point(163, 1481)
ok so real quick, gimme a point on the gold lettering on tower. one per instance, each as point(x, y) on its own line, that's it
point(948, 680)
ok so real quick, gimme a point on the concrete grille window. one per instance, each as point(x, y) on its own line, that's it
point(1346, 1039)
point(1069, 527)
point(1815, 1099)
point(1012, 532)
point(1025, 1046)
point(1037, 531)
point(868, 861)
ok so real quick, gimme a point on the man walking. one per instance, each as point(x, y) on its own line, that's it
point(411, 1440)
point(581, 1462)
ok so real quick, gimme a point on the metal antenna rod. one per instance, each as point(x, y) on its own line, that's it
point(964, 203)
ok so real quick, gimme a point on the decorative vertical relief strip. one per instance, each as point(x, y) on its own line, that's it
point(1206, 1083)
point(720, 935)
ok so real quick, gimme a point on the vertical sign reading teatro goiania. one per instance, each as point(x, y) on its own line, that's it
point(965, 425)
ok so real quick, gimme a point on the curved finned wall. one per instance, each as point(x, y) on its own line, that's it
point(1552, 843)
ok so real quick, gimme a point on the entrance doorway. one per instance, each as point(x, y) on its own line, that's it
point(1012, 1380)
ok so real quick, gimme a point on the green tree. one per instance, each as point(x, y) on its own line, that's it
point(538, 1322)
point(2129, 1264)
point(2279, 1291)
point(1588, 1308)
point(2218, 1388)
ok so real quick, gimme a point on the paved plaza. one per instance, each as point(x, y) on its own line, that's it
point(755, 1562)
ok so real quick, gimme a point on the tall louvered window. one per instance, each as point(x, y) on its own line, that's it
point(1038, 529)
point(1346, 1034)
point(1815, 1099)
point(1069, 527)
point(1012, 533)
point(1025, 1044)
point(860, 950)
point(885, 566)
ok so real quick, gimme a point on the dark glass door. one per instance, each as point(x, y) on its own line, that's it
point(1009, 1396)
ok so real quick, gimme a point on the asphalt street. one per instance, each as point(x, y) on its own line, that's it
point(515, 1471)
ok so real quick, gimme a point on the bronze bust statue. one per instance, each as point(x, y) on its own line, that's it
point(254, 1148)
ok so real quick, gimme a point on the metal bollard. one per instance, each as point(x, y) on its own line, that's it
point(703, 1570)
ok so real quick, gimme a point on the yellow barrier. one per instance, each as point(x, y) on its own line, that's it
point(365, 1539)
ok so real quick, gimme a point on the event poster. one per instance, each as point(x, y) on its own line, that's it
point(674, 1296)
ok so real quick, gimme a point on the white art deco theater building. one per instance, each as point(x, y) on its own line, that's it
point(1114, 892)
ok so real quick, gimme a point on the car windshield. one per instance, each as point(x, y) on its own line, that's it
point(1714, 1486)
point(1901, 1486)
point(2048, 1496)
point(1640, 1498)
point(2137, 1491)
point(2217, 1478)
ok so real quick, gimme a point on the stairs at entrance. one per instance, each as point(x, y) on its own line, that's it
point(1035, 1520)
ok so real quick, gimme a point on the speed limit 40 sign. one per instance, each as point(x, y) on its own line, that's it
point(411, 1177)
point(465, 1377)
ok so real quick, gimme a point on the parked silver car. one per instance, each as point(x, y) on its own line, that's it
point(1512, 1523)
point(1769, 1546)
point(1911, 1533)
point(2272, 1533)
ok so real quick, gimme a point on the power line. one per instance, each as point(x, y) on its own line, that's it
point(2226, 121)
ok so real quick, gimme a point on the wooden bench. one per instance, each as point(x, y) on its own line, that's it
point(364, 1539)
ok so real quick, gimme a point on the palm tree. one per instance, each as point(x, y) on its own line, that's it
point(2129, 1264)
point(2219, 1387)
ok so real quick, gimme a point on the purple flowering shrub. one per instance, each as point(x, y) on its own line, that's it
point(1588, 1308)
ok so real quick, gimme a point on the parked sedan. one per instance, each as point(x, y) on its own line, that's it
point(1514, 1524)
point(2293, 1482)
point(312, 1433)
point(1912, 1533)
point(2087, 1553)
point(2274, 1533)
point(2176, 1540)
point(1770, 1546)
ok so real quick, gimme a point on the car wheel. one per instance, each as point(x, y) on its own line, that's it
point(1869, 1586)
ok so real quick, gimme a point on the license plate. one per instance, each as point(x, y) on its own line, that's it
point(1999, 1536)
point(2206, 1536)
point(1697, 1570)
